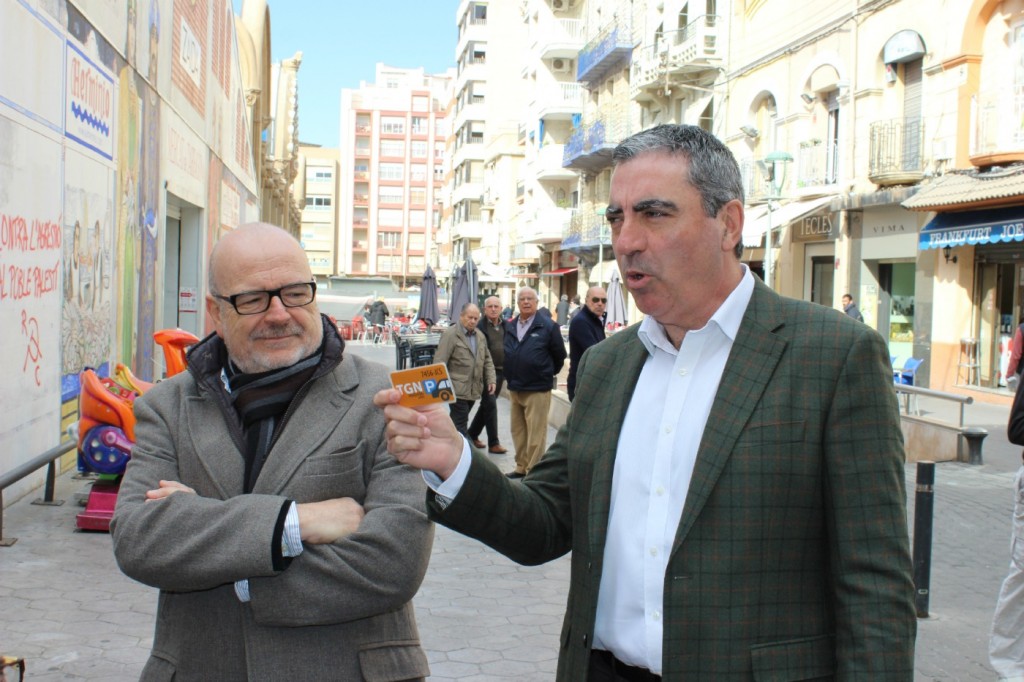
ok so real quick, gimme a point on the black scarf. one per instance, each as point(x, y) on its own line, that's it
point(261, 400)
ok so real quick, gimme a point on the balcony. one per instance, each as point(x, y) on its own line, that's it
point(360, 175)
point(468, 190)
point(588, 229)
point(546, 226)
point(647, 75)
point(362, 129)
point(469, 151)
point(524, 254)
point(755, 180)
point(361, 199)
point(694, 48)
point(468, 229)
point(558, 38)
point(547, 165)
point(561, 101)
point(894, 150)
point(817, 163)
point(605, 53)
point(590, 146)
point(997, 126)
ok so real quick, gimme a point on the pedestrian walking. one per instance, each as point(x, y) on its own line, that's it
point(726, 520)
point(492, 326)
point(464, 350)
point(562, 311)
point(850, 308)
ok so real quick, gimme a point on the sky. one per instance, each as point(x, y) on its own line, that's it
point(341, 42)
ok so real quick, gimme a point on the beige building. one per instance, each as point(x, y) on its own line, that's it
point(317, 188)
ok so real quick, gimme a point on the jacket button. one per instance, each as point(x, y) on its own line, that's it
point(584, 641)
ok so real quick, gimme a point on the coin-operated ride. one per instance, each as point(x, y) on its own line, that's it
point(106, 426)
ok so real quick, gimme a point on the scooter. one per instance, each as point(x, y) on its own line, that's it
point(106, 426)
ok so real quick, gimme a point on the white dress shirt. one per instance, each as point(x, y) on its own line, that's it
point(654, 462)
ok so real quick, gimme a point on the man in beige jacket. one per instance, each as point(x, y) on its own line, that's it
point(470, 367)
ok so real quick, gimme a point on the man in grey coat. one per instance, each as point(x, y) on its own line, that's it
point(260, 499)
point(463, 349)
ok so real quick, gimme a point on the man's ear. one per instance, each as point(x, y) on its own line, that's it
point(213, 310)
point(731, 216)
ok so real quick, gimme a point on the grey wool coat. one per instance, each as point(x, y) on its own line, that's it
point(339, 611)
point(791, 558)
point(470, 374)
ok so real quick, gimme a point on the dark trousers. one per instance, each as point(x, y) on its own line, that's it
point(487, 415)
point(604, 667)
point(459, 411)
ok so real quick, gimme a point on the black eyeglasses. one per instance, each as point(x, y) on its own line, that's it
point(256, 302)
point(595, 299)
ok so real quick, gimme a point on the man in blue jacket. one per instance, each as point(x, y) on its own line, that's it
point(534, 355)
point(585, 330)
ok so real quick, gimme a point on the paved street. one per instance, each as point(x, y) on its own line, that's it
point(66, 608)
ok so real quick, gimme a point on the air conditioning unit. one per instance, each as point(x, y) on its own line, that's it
point(558, 4)
point(561, 65)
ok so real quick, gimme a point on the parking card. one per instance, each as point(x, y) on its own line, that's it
point(424, 385)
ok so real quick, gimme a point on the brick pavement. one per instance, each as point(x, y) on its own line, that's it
point(67, 609)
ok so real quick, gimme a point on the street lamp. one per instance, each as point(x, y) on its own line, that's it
point(774, 168)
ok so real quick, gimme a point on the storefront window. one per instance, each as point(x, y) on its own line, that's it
point(900, 290)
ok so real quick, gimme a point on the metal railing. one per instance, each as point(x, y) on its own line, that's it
point(14, 475)
point(895, 146)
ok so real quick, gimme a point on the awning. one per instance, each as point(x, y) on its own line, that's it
point(989, 226)
point(558, 272)
point(753, 230)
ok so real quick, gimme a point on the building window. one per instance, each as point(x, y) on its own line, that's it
point(420, 103)
point(439, 150)
point(389, 240)
point(392, 171)
point(392, 125)
point(417, 218)
point(392, 147)
point(417, 172)
point(417, 195)
point(391, 195)
point(419, 149)
point(318, 174)
point(390, 217)
point(318, 203)
point(419, 125)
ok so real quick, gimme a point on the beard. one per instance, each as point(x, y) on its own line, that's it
point(255, 362)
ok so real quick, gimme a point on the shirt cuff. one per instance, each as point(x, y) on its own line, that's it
point(291, 538)
point(242, 590)
point(447, 490)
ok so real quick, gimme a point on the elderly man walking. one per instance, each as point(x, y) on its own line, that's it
point(534, 355)
point(464, 350)
point(491, 326)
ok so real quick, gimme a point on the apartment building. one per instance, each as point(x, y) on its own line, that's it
point(485, 156)
point(391, 167)
point(317, 186)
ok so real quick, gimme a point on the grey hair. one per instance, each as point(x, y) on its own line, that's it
point(466, 305)
point(713, 170)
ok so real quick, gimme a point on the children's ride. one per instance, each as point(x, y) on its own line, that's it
point(106, 426)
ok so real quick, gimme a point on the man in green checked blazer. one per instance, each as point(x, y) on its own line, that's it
point(730, 478)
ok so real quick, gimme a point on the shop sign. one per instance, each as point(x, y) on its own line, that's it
point(820, 227)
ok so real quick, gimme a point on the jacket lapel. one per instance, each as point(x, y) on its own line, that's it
point(216, 451)
point(752, 361)
point(307, 429)
point(623, 370)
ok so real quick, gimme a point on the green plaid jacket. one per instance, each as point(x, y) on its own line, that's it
point(791, 559)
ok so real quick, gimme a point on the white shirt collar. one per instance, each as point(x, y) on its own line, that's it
point(728, 317)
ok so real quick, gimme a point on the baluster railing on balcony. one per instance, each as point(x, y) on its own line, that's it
point(895, 151)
